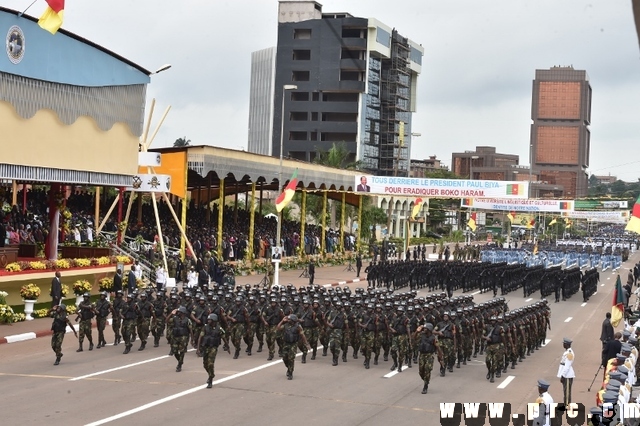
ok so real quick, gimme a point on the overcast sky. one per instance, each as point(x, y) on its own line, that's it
point(475, 87)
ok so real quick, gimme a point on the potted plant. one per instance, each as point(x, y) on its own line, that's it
point(6, 314)
point(106, 284)
point(29, 293)
point(81, 287)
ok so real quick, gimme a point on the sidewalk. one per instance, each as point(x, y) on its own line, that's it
point(325, 276)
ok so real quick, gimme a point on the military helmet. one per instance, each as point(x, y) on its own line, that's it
point(104, 293)
point(429, 326)
point(213, 317)
point(400, 308)
point(62, 306)
point(293, 318)
point(182, 310)
point(86, 295)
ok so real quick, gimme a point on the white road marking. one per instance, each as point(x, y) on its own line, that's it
point(185, 393)
point(122, 367)
point(20, 337)
point(583, 305)
point(506, 382)
point(394, 372)
point(568, 319)
point(117, 368)
point(546, 342)
point(594, 293)
point(529, 299)
point(475, 292)
point(602, 285)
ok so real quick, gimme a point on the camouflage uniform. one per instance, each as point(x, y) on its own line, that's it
point(368, 326)
point(58, 327)
point(238, 317)
point(446, 341)
point(252, 326)
point(399, 340)
point(272, 316)
point(181, 331)
point(145, 312)
point(129, 315)
point(86, 313)
point(494, 355)
point(116, 319)
point(158, 323)
point(291, 336)
point(103, 307)
point(336, 322)
point(210, 338)
point(310, 329)
point(427, 345)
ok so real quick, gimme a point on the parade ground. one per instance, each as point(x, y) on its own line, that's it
point(104, 386)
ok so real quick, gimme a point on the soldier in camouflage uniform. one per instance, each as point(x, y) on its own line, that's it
point(129, 315)
point(146, 312)
point(380, 321)
point(59, 327)
point(324, 332)
point(336, 324)
point(349, 332)
point(159, 323)
point(86, 312)
point(494, 336)
point(174, 303)
point(309, 323)
point(427, 345)
point(181, 332)
point(367, 324)
point(116, 319)
point(445, 330)
point(238, 318)
point(208, 342)
point(253, 312)
point(260, 328)
point(399, 330)
point(199, 314)
point(103, 307)
point(271, 318)
point(292, 333)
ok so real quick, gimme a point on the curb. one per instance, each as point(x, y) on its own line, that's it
point(42, 333)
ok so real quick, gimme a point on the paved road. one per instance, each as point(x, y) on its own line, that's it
point(104, 386)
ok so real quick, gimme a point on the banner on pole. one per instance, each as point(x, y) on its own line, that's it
point(440, 188)
point(150, 183)
point(618, 216)
point(518, 205)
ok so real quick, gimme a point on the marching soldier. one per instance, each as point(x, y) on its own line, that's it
point(86, 312)
point(427, 345)
point(336, 323)
point(400, 336)
point(445, 330)
point(181, 331)
point(494, 335)
point(159, 323)
point(198, 317)
point(128, 315)
point(145, 312)
point(103, 307)
point(59, 327)
point(238, 317)
point(253, 313)
point(208, 342)
point(291, 333)
point(271, 318)
point(116, 318)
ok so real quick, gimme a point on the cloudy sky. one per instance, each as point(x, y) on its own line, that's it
point(475, 87)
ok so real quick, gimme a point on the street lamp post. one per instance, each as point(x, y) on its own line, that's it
point(530, 168)
point(276, 268)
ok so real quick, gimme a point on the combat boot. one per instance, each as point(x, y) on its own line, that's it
point(458, 364)
point(513, 365)
point(335, 360)
point(142, 346)
point(116, 341)
point(464, 361)
point(304, 357)
point(395, 362)
point(375, 360)
point(259, 347)
point(324, 351)
point(270, 357)
point(442, 370)
point(171, 353)
point(313, 354)
point(344, 357)
point(237, 354)
point(366, 364)
point(475, 354)
point(400, 366)
point(79, 347)
point(521, 359)
point(506, 364)
point(90, 345)
point(179, 367)
point(498, 374)
point(355, 354)
point(249, 350)
point(156, 342)
point(491, 379)
point(57, 361)
point(126, 349)
point(210, 382)
point(424, 389)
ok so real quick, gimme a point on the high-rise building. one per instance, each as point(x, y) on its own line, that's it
point(263, 66)
point(560, 136)
point(350, 80)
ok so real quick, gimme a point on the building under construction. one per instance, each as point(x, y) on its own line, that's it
point(340, 78)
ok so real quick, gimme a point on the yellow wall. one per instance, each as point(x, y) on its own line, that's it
point(44, 141)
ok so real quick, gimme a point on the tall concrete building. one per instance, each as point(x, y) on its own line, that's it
point(347, 79)
point(263, 67)
point(560, 136)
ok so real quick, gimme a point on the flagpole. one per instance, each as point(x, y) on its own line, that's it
point(24, 11)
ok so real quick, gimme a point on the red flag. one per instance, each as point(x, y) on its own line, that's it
point(51, 19)
point(289, 191)
point(634, 220)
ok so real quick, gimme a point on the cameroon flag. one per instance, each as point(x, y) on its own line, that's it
point(634, 221)
point(51, 19)
point(472, 222)
point(289, 191)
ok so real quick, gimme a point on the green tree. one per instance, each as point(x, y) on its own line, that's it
point(182, 142)
point(438, 207)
